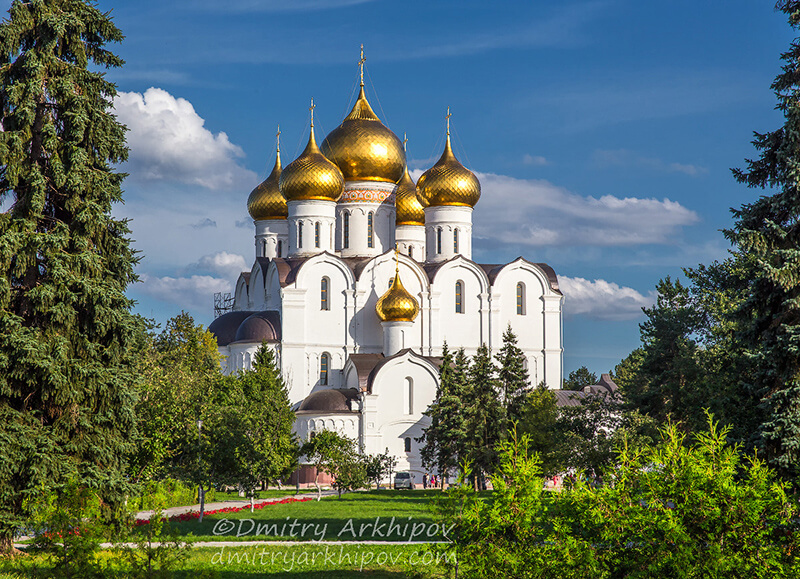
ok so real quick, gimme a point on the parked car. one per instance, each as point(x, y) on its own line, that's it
point(404, 480)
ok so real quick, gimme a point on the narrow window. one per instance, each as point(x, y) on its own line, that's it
point(299, 234)
point(410, 251)
point(439, 240)
point(324, 363)
point(409, 395)
point(316, 234)
point(313, 434)
point(455, 240)
point(521, 299)
point(264, 248)
point(370, 230)
point(408, 444)
point(346, 230)
point(459, 297)
point(280, 248)
point(324, 302)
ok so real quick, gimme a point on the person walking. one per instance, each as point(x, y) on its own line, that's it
point(425, 481)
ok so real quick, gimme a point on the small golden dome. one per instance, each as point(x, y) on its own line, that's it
point(364, 148)
point(311, 176)
point(409, 209)
point(397, 305)
point(448, 182)
point(266, 201)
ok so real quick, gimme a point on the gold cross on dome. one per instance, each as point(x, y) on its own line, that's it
point(278, 138)
point(405, 142)
point(311, 108)
point(361, 62)
point(448, 121)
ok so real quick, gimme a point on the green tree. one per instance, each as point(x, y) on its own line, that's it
point(767, 231)
point(485, 418)
point(443, 440)
point(253, 439)
point(333, 454)
point(512, 378)
point(538, 424)
point(379, 466)
point(579, 378)
point(65, 323)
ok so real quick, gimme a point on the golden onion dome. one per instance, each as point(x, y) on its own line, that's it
point(397, 305)
point(311, 176)
point(448, 182)
point(364, 148)
point(409, 209)
point(266, 201)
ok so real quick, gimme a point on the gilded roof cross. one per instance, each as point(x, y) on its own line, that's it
point(361, 62)
point(311, 108)
point(405, 142)
point(278, 138)
point(448, 121)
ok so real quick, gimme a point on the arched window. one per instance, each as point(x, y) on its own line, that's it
point(313, 434)
point(370, 230)
point(459, 297)
point(439, 240)
point(455, 240)
point(324, 301)
point(408, 395)
point(346, 230)
point(521, 299)
point(324, 365)
point(264, 248)
point(316, 234)
point(410, 251)
point(280, 248)
point(408, 444)
point(299, 234)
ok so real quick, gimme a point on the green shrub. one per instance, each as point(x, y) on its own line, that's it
point(166, 493)
point(680, 508)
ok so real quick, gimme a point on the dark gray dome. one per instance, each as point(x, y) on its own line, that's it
point(260, 327)
point(331, 400)
point(224, 327)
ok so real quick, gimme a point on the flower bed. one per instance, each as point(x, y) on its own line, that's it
point(196, 514)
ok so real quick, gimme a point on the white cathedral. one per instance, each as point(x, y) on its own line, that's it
point(361, 276)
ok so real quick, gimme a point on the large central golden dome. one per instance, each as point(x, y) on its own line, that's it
point(397, 305)
point(266, 201)
point(448, 182)
point(409, 209)
point(311, 176)
point(363, 148)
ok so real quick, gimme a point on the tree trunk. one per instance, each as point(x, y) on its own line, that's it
point(202, 494)
point(251, 502)
point(316, 483)
point(6, 543)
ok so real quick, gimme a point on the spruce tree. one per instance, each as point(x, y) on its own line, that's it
point(443, 440)
point(767, 232)
point(512, 377)
point(485, 415)
point(65, 322)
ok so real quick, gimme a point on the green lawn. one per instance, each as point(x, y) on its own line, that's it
point(373, 515)
point(313, 561)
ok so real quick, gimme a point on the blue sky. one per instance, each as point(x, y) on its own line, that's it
point(603, 132)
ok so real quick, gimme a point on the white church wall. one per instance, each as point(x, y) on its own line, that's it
point(256, 293)
point(240, 297)
point(346, 424)
point(393, 414)
point(272, 290)
point(469, 328)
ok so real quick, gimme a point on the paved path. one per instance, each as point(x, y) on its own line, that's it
point(283, 543)
point(172, 511)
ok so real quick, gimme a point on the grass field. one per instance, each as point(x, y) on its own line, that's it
point(373, 515)
point(313, 561)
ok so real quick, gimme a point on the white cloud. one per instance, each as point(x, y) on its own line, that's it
point(169, 142)
point(626, 158)
point(538, 213)
point(601, 299)
point(535, 160)
point(194, 293)
point(222, 263)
